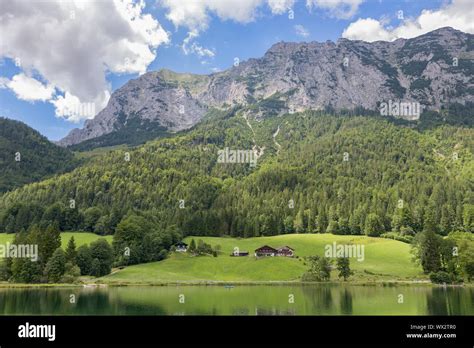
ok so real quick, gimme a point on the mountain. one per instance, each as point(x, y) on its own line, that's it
point(432, 69)
point(27, 156)
point(301, 172)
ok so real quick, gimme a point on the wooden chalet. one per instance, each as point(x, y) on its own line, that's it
point(285, 251)
point(265, 251)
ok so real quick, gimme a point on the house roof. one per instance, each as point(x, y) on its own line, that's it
point(265, 247)
point(285, 247)
point(181, 244)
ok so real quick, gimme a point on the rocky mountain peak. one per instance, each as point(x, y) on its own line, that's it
point(428, 69)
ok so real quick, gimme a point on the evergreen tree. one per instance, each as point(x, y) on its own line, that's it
point(427, 251)
point(192, 246)
point(71, 252)
point(299, 222)
point(56, 266)
point(48, 241)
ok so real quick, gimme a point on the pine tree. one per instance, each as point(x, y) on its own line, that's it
point(192, 246)
point(56, 266)
point(48, 241)
point(299, 222)
point(71, 252)
point(429, 251)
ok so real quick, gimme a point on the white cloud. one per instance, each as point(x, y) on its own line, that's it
point(189, 46)
point(367, 29)
point(301, 31)
point(202, 51)
point(28, 88)
point(280, 6)
point(73, 44)
point(196, 15)
point(343, 9)
point(458, 14)
point(71, 107)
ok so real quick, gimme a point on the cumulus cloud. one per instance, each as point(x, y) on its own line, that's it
point(301, 31)
point(367, 29)
point(458, 14)
point(195, 15)
point(73, 44)
point(343, 9)
point(28, 88)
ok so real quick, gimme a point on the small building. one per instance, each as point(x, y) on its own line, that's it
point(240, 253)
point(285, 251)
point(265, 251)
point(181, 247)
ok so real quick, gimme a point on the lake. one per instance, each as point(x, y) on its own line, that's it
point(321, 299)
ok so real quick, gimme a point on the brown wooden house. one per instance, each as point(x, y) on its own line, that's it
point(285, 251)
point(265, 251)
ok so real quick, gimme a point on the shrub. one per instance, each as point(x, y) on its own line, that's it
point(440, 277)
point(397, 236)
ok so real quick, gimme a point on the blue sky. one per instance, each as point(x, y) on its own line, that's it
point(220, 35)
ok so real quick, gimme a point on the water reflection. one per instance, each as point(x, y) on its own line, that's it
point(346, 302)
point(449, 301)
point(241, 300)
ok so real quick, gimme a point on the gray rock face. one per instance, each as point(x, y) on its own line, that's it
point(431, 69)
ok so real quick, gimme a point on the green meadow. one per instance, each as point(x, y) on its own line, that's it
point(81, 238)
point(384, 260)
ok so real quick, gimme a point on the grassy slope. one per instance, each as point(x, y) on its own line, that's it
point(80, 238)
point(385, 260)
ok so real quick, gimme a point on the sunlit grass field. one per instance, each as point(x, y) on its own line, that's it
point(384, 259)
point(79, 237)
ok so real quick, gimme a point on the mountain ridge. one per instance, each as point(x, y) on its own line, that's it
point(298, 76)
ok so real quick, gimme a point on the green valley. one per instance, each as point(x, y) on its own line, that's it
point(385, 260)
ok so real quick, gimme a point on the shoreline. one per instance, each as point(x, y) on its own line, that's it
point(231, 284)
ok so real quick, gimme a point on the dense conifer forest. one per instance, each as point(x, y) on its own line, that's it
point(318, 173)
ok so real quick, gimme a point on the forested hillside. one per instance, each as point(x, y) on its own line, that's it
point(27, 156)
point(318, 173)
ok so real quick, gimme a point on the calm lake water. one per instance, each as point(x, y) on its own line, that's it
point(240, 300)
